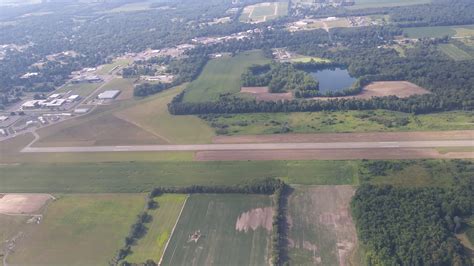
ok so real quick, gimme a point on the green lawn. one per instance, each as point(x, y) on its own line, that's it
point(221, 76)
point(333, 122)
point(386, 3)
point(105, 69)
point(79, 230)
point(216, 216)
point(82, 89)
point(454, 52)
point(152, 115)
point(143, 176)
point(152, 245)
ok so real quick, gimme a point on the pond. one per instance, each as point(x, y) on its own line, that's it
point(333, 80)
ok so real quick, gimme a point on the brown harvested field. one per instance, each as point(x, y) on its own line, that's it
point(102, 130)
point(23, 203)
point(340, 154)
point(321, 228)
point(401, 89)
point(348, 137)
point(254, 219)
point(262, 94)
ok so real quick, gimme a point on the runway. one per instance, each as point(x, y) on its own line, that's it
point(260, 146)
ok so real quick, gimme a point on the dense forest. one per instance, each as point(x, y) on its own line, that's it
point(412, 226)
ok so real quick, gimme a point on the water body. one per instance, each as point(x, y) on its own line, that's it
point(333, 80)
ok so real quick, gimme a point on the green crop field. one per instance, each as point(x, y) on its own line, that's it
point(338, 122)
point(152, 115)
point(79, 230)
point(306, 59)
point(143, 176)
point(221, 76)
point(440, 31)
point(322, 231)
point(454, 52)
point(224, 238)
point(386, 3)
point(152, 245)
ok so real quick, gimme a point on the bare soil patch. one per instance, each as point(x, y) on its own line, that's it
point(263, 94)
point(339, 154)
point(348, 137)
point(401, 89)
point(23, 203)
point(254, 219)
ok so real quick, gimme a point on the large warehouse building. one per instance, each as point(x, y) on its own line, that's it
point(108, 95)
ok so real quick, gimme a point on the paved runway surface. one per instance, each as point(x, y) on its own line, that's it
point(260, 146)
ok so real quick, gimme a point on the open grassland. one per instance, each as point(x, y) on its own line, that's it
point(10, 153)
point(106, 69)
point(132, 7)
point(152, 245)
point(79, 230)
point(454, 52)
point(461, 31)
point(82, 89)
point(222, 76)
point(152, 115)
point(307, 59)
point(231, 230)
point(143, 176)
point(386, 3)
point(338, 122)
point(262, 12)
point(321, 228)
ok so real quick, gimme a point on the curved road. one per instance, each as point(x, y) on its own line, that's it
point(260, 146)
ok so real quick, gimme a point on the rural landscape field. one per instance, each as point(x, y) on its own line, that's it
point(224, 132)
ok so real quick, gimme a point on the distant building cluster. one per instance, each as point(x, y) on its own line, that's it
point(53, 101)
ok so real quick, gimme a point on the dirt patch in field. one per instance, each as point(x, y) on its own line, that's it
point(254, 219)
point(262, 94)
point(322, 224)
point(332, 154)
point(23, 203)
point(348, 137)
point(401, 89)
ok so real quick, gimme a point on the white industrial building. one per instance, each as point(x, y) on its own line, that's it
point(73, 98)
point(108, 95)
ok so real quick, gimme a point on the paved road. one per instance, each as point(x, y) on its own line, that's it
point(260, 146)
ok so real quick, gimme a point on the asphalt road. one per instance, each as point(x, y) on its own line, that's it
point(260, 146)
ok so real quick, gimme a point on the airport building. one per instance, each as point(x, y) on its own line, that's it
point(108, 95)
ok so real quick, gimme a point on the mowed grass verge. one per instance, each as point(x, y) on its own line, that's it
point(152, 245)
point(144, 176)
point(216, 217)
point(221, 76)
point(79, 230)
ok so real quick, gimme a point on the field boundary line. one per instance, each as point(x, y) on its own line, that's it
point(122, 117)
point(172, 230)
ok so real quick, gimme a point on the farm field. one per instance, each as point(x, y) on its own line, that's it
point(460, 31)
point(152, 115)
point(359, 4)
point(221, 76)
point(321, 228)
point(338, 122)
point(229, 230)
point(307, 59)
point(262, 12)
point(133, 177)
point(84, 229)
point(152, 245)
point(454, 52)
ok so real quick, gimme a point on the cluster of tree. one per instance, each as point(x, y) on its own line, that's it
point(145, 89)
point(138, 70)
point(280, 227)
point(412, 226)
point(266, 186)
point(279, 77)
